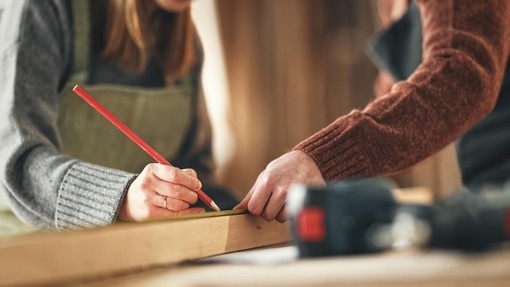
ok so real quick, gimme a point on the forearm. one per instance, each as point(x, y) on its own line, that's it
point(465, 53)
point(51, 191)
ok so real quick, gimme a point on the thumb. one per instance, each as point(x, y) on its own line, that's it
point(244, 203)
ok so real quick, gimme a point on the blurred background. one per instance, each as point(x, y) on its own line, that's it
point(277, 71)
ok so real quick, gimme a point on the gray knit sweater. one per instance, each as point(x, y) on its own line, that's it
point(45, 188)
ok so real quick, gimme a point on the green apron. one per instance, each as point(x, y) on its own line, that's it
point(160, 116)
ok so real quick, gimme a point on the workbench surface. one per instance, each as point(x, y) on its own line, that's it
point(279, 266)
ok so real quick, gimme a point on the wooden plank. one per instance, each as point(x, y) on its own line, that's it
point(49, 258)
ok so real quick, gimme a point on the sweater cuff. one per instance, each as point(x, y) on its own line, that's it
point(337, 149)
point(90, 196)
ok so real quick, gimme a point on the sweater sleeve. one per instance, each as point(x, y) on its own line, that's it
point(45, 188)
point(465, 51)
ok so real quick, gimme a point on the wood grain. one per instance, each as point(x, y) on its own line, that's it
point(49, 258)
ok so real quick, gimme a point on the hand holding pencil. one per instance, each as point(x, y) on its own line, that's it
point(159, 191)
point(160, 185)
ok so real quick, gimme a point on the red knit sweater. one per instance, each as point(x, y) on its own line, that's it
point(466, 45)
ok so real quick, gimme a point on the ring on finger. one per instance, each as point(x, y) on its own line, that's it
point(164, 201)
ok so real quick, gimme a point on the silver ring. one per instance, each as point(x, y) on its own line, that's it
point(164, 201)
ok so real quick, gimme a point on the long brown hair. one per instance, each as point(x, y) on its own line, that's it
point(137, 30)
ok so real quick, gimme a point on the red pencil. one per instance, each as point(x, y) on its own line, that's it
point(134, 137)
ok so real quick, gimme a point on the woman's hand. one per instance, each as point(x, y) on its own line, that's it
point(159, 191)
point(268, 195)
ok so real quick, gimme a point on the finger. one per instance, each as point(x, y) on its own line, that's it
point(282, 216)
point(168, 203)
point(190, 172)
point(261, 194)
point(175, 191)
point(274, 206)
point(175, 175)
point(244, 203)
point(159, 200)
point(176, 204)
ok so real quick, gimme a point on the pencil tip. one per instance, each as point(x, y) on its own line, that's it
point(214, 206)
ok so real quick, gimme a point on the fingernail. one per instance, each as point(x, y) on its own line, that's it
point(199, 185)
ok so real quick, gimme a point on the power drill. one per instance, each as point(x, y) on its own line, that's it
point(361, 216)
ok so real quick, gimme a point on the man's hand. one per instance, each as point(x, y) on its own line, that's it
point(267, 196)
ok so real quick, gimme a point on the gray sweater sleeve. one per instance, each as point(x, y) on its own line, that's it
point(45, 188)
